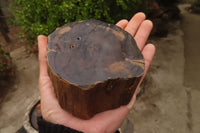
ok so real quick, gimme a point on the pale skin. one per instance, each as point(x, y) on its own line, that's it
point(105, 122)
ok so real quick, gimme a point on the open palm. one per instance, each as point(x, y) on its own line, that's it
point(105, 122)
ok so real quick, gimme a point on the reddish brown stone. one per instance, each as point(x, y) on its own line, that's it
point(94, 67)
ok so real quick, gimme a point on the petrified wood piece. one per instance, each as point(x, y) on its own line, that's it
point(94, 67)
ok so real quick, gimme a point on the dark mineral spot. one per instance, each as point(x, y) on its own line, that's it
point(72, 46)
point(78, 38)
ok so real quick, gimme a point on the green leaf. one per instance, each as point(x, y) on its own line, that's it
point(44, 16)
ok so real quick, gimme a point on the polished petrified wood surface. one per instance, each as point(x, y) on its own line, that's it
point(94, 66)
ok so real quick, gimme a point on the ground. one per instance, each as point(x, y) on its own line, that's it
point(22, 89)
point(169, 98)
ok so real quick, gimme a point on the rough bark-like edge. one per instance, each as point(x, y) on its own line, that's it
point(68, 91)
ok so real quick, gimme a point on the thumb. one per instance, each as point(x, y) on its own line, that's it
point(45, 85)
point(42, 46)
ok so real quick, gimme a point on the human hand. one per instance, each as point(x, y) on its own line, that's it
point(105, 122)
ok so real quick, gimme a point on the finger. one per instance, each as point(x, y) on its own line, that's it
point(122, 23)
point(45, 85)
point(148, 53)
point(134, 23)
point(143, 33)
point(42, 46)
point(46, 90)
point(132, 101)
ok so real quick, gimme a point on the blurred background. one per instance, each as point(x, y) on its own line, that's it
point(169, 97)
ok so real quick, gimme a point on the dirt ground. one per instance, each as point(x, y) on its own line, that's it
point(169, 101)
point(18, 93)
